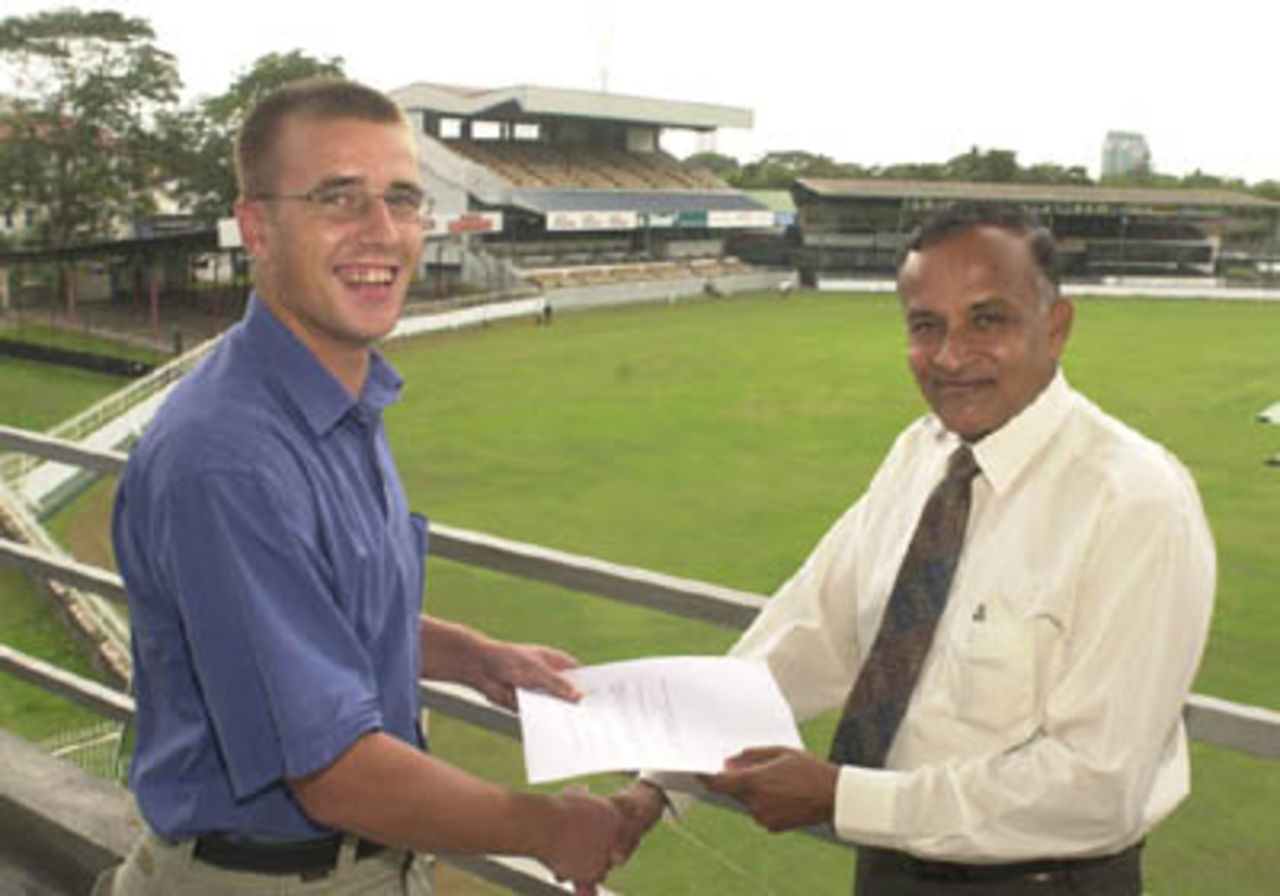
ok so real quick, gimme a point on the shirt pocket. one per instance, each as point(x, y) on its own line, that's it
point(992, 667)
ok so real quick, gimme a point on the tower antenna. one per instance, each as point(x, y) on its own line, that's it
point(606, 49)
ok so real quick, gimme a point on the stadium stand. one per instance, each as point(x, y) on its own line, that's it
point(542, 165)
point(576, 185)
point(857, 226)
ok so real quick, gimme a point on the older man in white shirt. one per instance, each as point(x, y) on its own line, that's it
point(1042, 737)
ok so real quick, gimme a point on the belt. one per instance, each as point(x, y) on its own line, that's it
point(956, 872)
point(309, 858)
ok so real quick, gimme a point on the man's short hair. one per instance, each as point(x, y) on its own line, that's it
point(321, 98)
point(961, 217)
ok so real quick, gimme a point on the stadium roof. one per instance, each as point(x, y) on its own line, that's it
point(644, 201)
point(830, 188)
point(524, 101)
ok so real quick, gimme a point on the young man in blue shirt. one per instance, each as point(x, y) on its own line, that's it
point(275, 571)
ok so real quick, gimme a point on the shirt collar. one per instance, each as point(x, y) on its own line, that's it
point(316, 393)
point(1005, 453)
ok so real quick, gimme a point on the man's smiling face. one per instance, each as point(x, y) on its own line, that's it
point(339, 285)
point(984, 330)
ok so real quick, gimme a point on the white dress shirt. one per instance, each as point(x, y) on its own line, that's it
point(1047, 718)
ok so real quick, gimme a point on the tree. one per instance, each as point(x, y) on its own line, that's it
point(911, 171)
point(1053, 173)
point(779, 170)
point(199, 139)
point(726, 168)
point(997, 166)
point(1267, 189)
point(1201, 180)
point(76, 141)
point(1150, 180)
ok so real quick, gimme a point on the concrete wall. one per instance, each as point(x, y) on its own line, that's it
point(59, 825)
point(578, 298)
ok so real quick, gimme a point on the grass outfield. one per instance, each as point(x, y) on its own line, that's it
point(719, 440)
point(77, 341)
point(35, 395)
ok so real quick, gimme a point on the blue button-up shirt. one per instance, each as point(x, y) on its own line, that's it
point(275, 576)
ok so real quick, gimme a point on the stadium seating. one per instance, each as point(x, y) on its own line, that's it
point(554, 277)
point(542, 165)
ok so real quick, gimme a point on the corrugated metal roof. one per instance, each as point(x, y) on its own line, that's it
point(1033, 193)
point(650, 201)
point(555, 101)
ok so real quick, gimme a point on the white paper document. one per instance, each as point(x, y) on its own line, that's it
point(679, 714)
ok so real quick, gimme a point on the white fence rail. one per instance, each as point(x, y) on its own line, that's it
point(93, 419)
point(99, 625)
point(1250, 729)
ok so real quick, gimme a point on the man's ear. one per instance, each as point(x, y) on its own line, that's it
point(1061, 315)
point(251, 219)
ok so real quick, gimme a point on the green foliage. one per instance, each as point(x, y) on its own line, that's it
point(35, 395)
point(199, 139)
point(73, 340)
point(993, 166)
point(1001, 166)
point(31, 627)
point(79, 139)
point(722, 166)
point(719, 440)
point(912, 171)
point(1202, 181)
point(1267, 189)
point(1051, 173)
point(778, 170)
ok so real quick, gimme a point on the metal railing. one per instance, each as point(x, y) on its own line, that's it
point(14, 467)
point(96, 621)
point(1250, 729)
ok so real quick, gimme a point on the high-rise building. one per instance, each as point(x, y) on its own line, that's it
point(1125, 153)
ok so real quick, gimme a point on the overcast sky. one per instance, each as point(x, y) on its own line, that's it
point(873, 82)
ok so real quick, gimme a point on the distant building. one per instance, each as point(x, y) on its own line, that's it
point(1125, 153)
point(851, 228)
point(563, 187)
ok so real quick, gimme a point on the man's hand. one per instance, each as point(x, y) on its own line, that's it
point(641, 806)
point(583, 846)
point(781, 787)
point(454, 652)
point(504, 666)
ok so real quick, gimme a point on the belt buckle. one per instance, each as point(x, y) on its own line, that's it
point(311, 875)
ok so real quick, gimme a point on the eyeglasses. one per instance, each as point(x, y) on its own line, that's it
point(346, 203)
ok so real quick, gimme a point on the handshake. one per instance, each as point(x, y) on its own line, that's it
point(595, 834)
point(781, 787)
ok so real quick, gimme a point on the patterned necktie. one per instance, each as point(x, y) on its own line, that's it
point(879, 698)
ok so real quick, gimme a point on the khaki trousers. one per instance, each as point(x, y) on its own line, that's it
point(157, 868)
